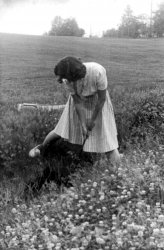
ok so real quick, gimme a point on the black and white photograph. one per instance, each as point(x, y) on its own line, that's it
point(82, 124)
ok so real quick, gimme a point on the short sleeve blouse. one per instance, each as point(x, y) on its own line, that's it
point(94, 80)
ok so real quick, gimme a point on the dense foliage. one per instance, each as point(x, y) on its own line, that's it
point(139, 26)
point(108, 208)
point(139, 118)
point(65, 27)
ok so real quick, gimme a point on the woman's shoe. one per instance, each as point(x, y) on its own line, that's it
point(34, 152)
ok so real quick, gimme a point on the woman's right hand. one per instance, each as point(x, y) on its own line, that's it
point(85, 131)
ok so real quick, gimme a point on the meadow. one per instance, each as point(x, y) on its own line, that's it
point(108, 207)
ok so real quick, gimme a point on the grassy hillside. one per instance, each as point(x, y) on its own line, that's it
point(109, 207)
point(27, 63)
point(135, 74)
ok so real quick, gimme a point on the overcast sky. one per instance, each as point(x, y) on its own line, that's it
point(95, 16)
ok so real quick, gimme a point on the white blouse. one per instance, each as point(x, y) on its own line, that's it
point(94, 80)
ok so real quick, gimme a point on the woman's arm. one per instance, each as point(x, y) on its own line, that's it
point(98, 108)
point(80, 113)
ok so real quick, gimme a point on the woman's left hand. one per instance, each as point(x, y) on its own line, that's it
point(90, 125)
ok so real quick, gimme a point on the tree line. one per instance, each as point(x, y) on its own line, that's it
point(139, 26)
point(65, 27)
point(131, 26)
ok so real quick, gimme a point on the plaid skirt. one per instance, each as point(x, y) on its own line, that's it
point(103, 137)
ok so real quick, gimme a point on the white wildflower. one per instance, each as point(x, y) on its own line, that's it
point(46, 218)
point(160, 245)
point(104, 209)
point(81, 211)
point(140, 233)
point(153, 224)
point(85, 224)
point(85, 242)
point(100, 241)
point(76, 230)
point(161, 218)
point(101, 223)
point(94, 184)
point(119, 242)
point(58, 246)
point(76, 196)
point(14, 210)
point(76, 216)
point(60, 233)
point(102, 197)
point(8, 228)
point(156, 231)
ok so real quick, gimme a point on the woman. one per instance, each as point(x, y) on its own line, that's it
point(88, 115)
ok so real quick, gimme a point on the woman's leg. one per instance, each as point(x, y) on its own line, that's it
point(50, 137)
point(40, 149)
point(113, 156)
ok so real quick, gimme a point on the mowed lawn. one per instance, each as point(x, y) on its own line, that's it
point(27, 63)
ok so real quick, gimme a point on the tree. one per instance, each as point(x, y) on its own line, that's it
point(159, 21)
point(143, 28)
point(56, 26)
point(65, 27)
point(139, 26)
point(111, 33)
point(130, 24)
point(133, 26)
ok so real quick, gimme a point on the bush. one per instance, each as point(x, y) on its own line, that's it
point(19, 133)
point(139, 118)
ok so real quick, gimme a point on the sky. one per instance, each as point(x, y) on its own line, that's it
point(34, 17)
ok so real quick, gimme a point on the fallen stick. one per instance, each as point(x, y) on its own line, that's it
point(21, 106)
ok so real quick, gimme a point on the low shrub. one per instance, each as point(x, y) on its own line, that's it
point(139, 118)
point(19, 133)
point(25, 130)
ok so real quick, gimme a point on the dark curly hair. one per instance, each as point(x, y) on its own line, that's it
point(70, 68)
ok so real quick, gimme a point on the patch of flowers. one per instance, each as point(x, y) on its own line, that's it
point(114, 208)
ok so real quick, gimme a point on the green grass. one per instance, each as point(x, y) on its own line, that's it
point(117, 208)
point(27, 64)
